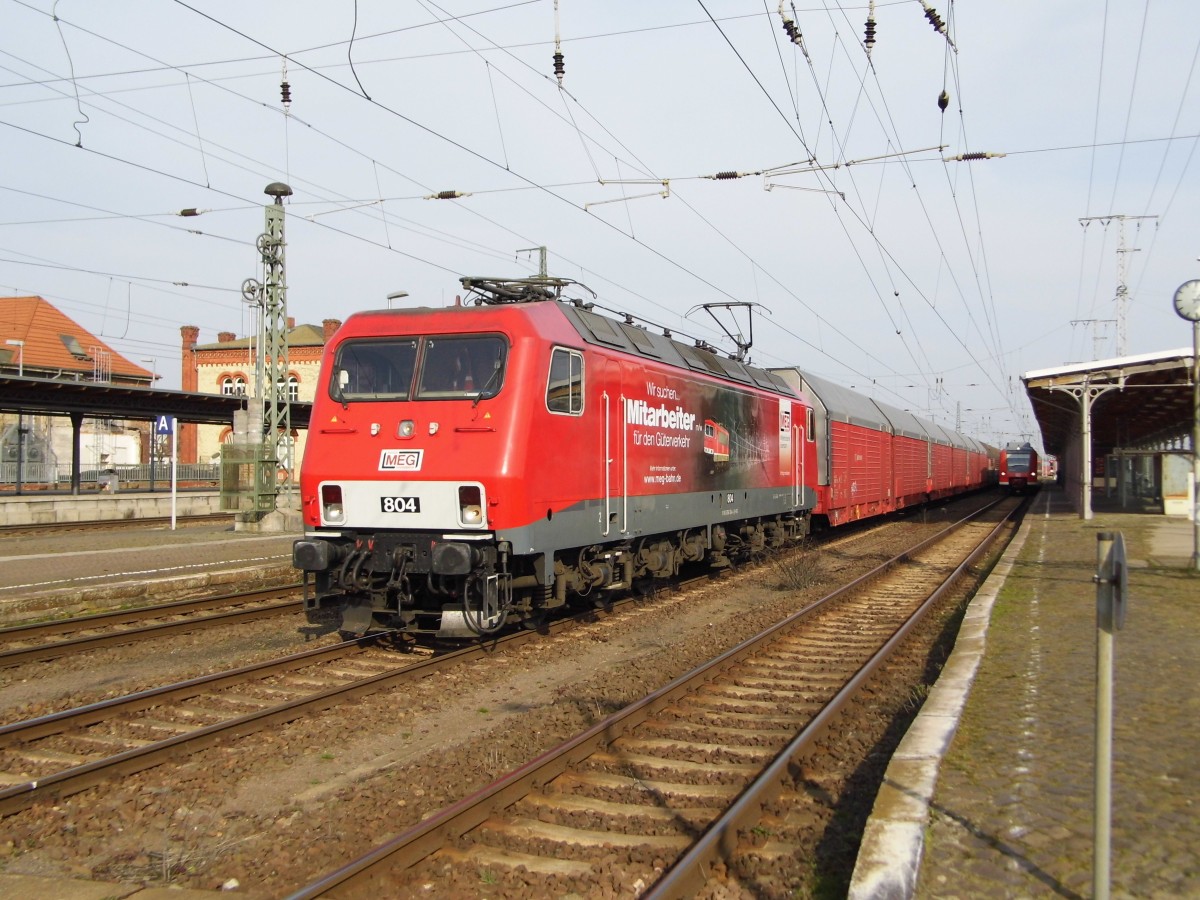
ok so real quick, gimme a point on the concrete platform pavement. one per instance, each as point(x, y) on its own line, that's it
point(991, 792)
point(68, 573)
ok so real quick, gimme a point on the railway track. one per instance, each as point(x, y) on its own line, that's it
point(23, 644)
point(672, 786)
point(65, 752)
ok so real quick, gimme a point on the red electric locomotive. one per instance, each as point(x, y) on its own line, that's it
point(1019, 467)
point(477, 464)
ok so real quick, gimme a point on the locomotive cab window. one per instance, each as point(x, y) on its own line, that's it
point(374, 370)
point(462, 368)
point(564, 389)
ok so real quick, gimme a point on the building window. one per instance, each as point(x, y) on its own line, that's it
point(292, 386)
point(233, 386)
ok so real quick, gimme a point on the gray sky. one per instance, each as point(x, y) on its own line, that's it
point(933, 285)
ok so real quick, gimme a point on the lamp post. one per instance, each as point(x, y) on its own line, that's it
point(153, 370)
point(395, 295)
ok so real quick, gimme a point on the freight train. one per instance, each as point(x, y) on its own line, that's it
point(483, 464)
point(1019, 467)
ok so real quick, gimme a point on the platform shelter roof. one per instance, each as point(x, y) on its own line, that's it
point(1139, 401)
point(49, 396)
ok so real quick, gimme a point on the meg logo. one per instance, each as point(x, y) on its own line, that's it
point(400, 460)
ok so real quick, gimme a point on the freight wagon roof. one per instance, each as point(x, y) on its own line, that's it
point(951, 437)
point(976, 446)
point(903, 422)
point(842, 404)
point(633, 339)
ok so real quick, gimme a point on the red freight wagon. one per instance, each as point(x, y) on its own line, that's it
point(982, 462)
point(942, 462)
point(911, 456)
point(923, 460)
point(855, 439)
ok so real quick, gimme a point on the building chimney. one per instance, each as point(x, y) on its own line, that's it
point(225, 337)
point(189, 379)
point(291, 322)
point(330, 326)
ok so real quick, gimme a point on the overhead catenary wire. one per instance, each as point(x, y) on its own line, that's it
point(383, 193)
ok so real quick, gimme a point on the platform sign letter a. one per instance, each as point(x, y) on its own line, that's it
point(164, 424)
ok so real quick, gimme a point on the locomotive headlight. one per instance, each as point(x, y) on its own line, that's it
point(331, 503)
point(407, 429)
point(470, 505)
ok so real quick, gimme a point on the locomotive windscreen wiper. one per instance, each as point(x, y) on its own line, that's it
point(488, 384)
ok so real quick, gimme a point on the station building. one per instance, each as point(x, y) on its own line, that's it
point(38, 340)
point(227, 367)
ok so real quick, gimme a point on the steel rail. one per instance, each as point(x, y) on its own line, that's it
point(132, 614)
point(20, 655)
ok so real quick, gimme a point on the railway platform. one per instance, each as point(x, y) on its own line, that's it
point(71, 572)
point(991, 792)
point(101, 506)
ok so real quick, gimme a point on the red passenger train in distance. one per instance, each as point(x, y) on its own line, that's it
point(480, 464)
point(1019, 470)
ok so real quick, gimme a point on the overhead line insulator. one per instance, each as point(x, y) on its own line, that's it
point(793, 32)
point(447, 195)
point(560, 68)
point(285, 90)
point(934, 19)
point(971, 157)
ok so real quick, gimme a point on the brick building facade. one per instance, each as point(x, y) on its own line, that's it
point(227, 366)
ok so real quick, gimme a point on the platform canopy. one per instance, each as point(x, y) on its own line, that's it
point(47, 396)
point(1136, 402)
